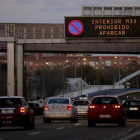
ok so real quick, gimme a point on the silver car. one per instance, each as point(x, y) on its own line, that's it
point(59, 108)
point(82, 107)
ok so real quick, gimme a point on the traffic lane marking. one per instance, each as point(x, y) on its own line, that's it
point(60, 128)
point(34, 133)
point(131, 136)
point(78, 124)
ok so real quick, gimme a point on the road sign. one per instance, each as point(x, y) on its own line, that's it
point(75, 27)
point(90, 27)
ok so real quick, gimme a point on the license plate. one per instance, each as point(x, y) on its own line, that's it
point(104, 116)
point(7, 111)
point(133, 108)
point(81, 109)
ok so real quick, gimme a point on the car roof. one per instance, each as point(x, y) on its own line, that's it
point(14, 97)
point(132, 100)
point(81, 100)
point(59, 97)
point(105, 96)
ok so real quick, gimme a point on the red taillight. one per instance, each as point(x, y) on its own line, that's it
point(22, 110)
point(46, 107)
point(91, 106)
point(117, 106)
point(69, 107)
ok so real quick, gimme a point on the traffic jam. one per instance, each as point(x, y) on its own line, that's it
point(15, 111)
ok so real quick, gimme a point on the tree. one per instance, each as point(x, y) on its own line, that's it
point(49, 81)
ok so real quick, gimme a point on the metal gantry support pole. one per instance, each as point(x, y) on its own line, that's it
point(10, 69)
point(20, 61)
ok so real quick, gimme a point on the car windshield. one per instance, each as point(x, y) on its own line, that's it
point(81, 103)
point(10, 102)
point(59, 101)
point(105, 100)
point(132, 103)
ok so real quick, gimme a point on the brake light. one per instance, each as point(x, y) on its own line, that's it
point(46, 107)
point(69, 107)
point(22, 110)
point(91, 106)
point(117, 106)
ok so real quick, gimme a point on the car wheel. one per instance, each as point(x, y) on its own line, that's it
point(32, 124)
point(122, 123)
point(91, 123)
point(26, 126)
point(76, 119)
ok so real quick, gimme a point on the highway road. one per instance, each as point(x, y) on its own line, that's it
point(64, 130)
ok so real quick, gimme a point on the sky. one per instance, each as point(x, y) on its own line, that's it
point(50, 11)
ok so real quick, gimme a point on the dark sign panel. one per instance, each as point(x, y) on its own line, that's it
point(89, 27)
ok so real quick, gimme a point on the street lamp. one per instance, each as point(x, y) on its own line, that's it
point(81, 74)
point(63, 74)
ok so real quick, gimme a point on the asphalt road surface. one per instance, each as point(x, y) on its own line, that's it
point(64, 130)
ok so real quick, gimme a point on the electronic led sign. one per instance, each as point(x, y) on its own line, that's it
point(89, 27)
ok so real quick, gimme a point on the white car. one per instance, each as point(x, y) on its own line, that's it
point(82, 107)
point(60, 108)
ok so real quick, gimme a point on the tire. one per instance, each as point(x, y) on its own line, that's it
point(32, 124)
point(72, 120)
point(76, 119)
point(26, 126)
point(122, 124)
point(91, 123)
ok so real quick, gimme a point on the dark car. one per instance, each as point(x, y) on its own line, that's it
point(106, 109)
point(132, 107)
point(14, 111)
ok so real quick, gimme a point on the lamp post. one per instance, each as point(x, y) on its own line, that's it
point(63, 74)
point(81, 73)
point(97, 79)
point(75, 69)
point(43, 74)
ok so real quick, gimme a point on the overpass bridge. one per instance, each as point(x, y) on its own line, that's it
point(18, 38)
point(125, 79)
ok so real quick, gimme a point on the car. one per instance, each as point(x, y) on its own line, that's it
point(14, 111)
point(125, 99)
point(82, 107)
point(60, 108)
point(35, 106)
point(132, 107)
point(106, 109)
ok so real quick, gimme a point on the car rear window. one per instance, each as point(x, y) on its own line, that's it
point(105, 100)
point(81, 103)
point(58, 101)
point(10, 101)
point(132, 103)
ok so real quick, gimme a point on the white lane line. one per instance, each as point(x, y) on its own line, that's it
point(137, 125)
point(60, 128)
point(78, 124)
point(130, 129)
point(131, 136)
point(34, 133)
